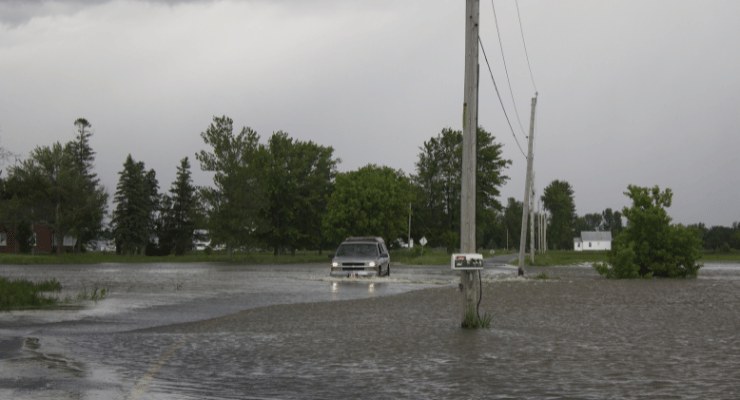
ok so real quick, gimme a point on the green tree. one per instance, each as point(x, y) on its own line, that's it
point(650, 245)
point(371, 201)
point(558, 200)
point(718, 238)
point(513, 221)
point(298, 178)
point(588, 222)
point(611, 221)
point(135, 213)
point(438, 180)
point(56, 186)
point(91, 207)
point(235, 203)
point(52, 188)
point(180, 212)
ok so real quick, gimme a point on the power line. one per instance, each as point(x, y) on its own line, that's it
point(526, 53)
point(506, 69)
point(495, 86)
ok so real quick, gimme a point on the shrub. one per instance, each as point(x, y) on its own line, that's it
point(650, 245)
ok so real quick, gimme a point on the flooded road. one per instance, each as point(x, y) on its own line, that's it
point(291, 332)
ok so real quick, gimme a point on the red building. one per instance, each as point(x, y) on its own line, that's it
point(42, 240)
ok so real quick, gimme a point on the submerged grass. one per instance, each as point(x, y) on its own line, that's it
point(23, 294)
point(474, 321)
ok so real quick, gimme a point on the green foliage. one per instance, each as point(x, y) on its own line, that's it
point(372, 201)
point(473, 321)
point(438, 182)
point(542, 276)
point(558, 200)
point(622, 265)
point(298, 178)
point(650, 245)
point(611, 221)
point(21, 293)
point(588, 222)
point(179, 212)
point(513, 221)
point(415, 256)
point(274, 194)
point(137, 202)
point(607, 221)
point(56, 185)
point(236, 201)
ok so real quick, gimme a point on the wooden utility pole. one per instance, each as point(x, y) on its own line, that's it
point(469, 280)
point(527, 189)
point(531, 221)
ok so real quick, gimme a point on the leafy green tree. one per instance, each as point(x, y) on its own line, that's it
point(611, 221)
point(52, 188)
point(513, 221)
point(298, 178)
point(180, 212)
point(438, 180)
point(371, 201)
point(56, 186)
point(650, 245)
point(14, 213)
point(135, 213)
point(588, 222)
point(235, 203)
point(558, 200)
point(718, 238)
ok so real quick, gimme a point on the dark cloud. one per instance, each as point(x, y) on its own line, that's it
point(19, 12)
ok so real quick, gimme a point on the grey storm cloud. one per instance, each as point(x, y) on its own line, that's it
point(630, 92)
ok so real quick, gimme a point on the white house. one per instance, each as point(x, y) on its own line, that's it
point(593, 241)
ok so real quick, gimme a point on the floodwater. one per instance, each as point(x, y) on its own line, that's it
point(201, 331)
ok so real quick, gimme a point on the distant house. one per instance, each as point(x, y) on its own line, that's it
point(593, 241)
point(42, 240)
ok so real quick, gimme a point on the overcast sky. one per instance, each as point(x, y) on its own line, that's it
point(639, 92)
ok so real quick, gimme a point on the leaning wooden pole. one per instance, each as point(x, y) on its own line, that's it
point(527, 190)
point(469, 280)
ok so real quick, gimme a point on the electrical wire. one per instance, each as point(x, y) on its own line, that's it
point(526, 53)
point(495, 86)
point(506, 69)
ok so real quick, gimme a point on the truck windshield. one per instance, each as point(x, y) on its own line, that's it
point(357, 250)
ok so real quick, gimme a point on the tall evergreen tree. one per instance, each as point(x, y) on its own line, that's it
point(179, 212)
point(136, 201)
point(92, 205)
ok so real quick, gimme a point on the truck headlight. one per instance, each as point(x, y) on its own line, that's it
point(334, 264)
point(372, 263)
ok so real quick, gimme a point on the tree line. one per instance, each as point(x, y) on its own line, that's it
point(283, 195)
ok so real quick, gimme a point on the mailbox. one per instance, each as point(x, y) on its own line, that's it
point(467, 261)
